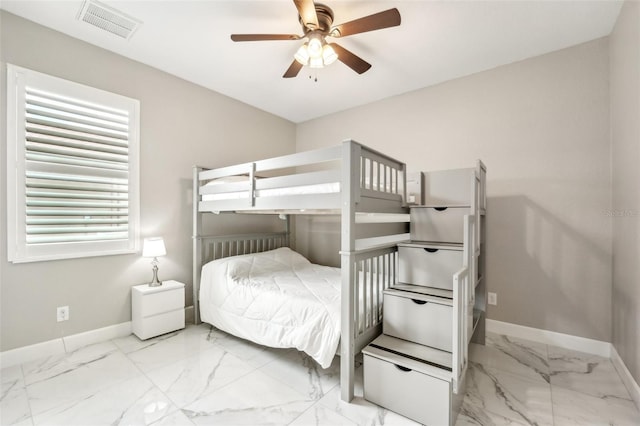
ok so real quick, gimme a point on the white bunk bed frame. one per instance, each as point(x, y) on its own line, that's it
point(372, 190)
point(466, 317)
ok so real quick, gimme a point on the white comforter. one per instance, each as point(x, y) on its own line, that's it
point(276, 298)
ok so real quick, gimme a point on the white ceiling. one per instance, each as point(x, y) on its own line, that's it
point(437, 41)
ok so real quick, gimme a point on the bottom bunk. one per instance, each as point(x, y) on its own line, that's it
point(256, 288)
point(275, 298)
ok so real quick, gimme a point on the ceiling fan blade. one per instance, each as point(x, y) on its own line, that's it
point(377, 21)
point(351, 60)
point(263, 37)
point(293, 70)
point(307, 11)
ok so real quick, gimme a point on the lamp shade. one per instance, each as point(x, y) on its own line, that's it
point(314, 47)
point(329, 55)
point(153, 247)
point(302, 55)
point(316, 53)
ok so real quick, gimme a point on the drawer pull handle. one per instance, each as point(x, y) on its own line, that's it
point(419, 302)
point(401, 368)
point(440, 209)
point(430, 250)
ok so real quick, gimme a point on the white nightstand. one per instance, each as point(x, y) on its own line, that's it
point(157, 310)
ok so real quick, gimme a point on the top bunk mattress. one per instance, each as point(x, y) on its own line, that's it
point(321, 188)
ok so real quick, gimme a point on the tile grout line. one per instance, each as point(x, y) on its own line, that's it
point(178, 406)
point(553, 414)
point(225, 350)
point(143, 374)
point(285, 383)
point(64, 357)
point(26, 392)
point(323, 406)
point(288, 354)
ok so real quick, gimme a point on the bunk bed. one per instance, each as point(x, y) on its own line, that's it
point(361, 185)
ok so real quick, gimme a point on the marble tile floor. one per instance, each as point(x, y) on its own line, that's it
point(202, 376)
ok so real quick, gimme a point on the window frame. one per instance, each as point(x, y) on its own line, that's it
point(18, 251)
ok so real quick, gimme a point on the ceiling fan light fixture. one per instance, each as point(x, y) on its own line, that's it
point(316, 62)
point(329, 55)
point(315, 47)
point(302, 55)
point(316, 53)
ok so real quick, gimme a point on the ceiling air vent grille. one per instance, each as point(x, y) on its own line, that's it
point(108, 19)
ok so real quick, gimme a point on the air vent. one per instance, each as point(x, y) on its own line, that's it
point(108, 19)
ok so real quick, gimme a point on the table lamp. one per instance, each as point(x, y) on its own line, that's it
point(154, 247)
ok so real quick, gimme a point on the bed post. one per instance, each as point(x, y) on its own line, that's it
point(287, 226)
point(350, 192)
point(197, 244)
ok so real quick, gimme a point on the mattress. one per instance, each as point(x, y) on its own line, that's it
point(321, 188)
point(276, 298)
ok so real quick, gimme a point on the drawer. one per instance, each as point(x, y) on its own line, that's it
point(418, 396)
point(449, 187)
point(441, 224)
point(159, 324)
point(429, 267)
point(159, 301)
point(417, 320)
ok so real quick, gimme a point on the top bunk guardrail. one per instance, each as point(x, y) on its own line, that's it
point(374, 176)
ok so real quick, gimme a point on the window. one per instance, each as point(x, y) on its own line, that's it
point(72, 169)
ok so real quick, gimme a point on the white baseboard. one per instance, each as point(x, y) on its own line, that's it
point(98, 335)
point(567, 341)
point(189, 316)
point(57, 346)
point(625, 375)
point(30, 353)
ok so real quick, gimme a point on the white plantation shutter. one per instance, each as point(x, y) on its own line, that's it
point(73, 177)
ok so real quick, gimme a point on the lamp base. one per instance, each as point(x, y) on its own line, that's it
point(154, 281)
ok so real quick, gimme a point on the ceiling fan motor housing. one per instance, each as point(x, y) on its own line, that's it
point(325, 19)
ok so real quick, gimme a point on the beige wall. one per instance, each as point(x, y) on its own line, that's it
point(625, 132)
point(542, 128)
point(181, 125)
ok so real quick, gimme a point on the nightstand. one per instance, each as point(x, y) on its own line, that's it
point(157, 310)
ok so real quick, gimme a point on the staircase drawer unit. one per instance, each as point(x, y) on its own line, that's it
point(430, 265)
point(418, 318)
point(418, 366)
point(442, 224)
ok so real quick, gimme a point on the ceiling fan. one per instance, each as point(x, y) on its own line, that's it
point(317, 20)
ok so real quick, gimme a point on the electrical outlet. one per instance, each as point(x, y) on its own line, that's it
point(63, 313)
point(493, 298)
